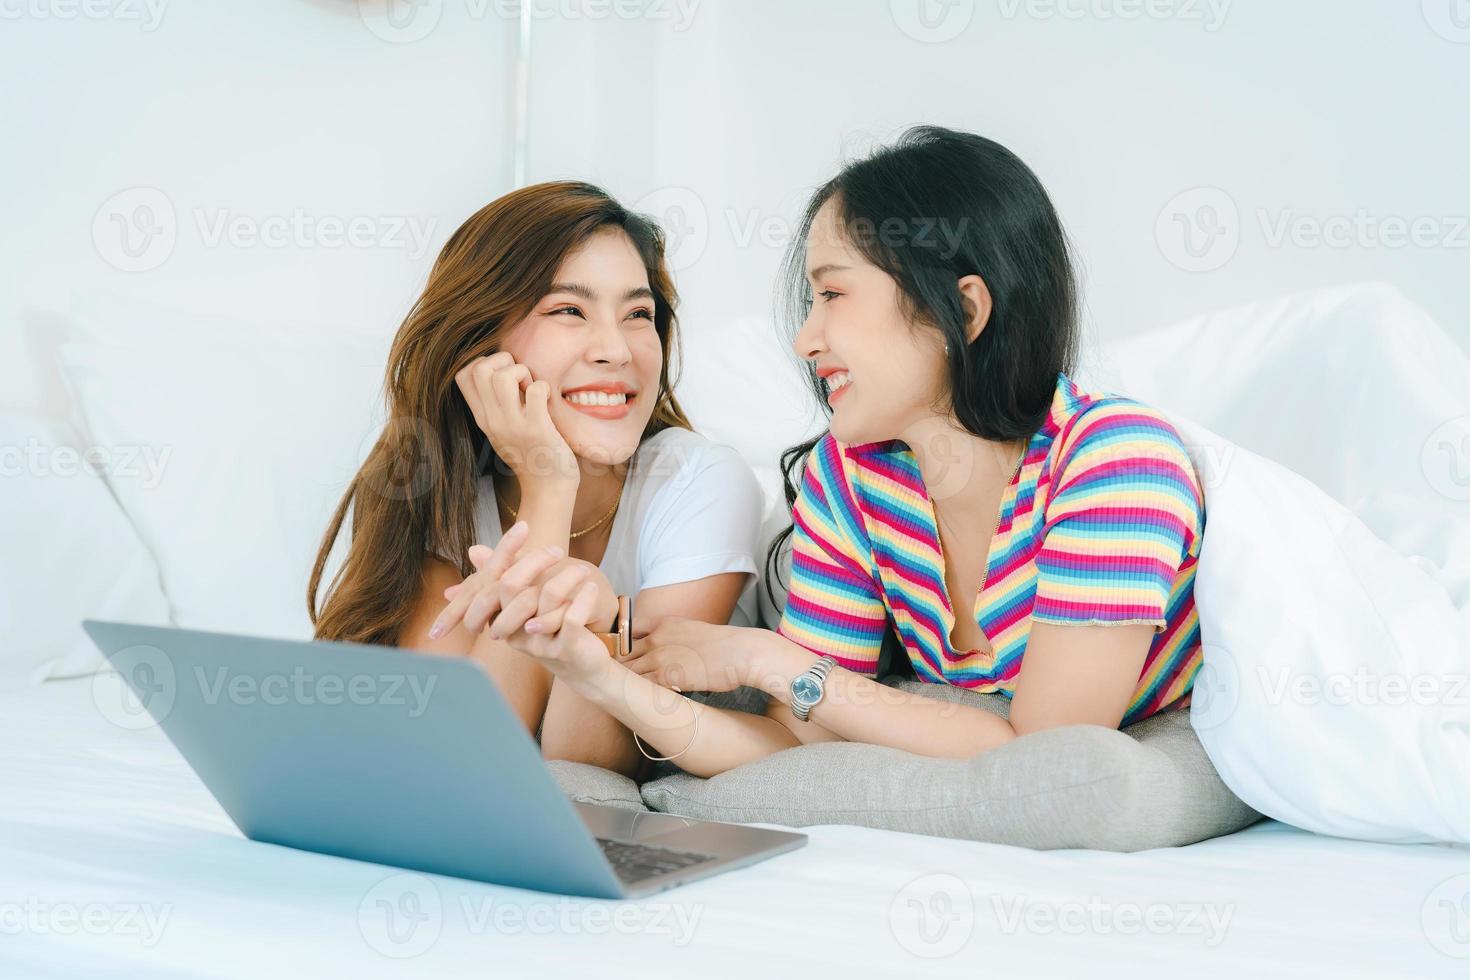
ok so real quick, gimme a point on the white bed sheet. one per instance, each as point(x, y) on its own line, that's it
point(115, 861)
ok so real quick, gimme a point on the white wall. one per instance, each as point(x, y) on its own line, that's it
point(1309, 112)
point(722, 115)
point(316, 118)
point(224, 127)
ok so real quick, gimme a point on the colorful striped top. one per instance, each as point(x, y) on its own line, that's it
point(1101, 524)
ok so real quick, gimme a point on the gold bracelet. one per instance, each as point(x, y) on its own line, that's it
point(666, 758)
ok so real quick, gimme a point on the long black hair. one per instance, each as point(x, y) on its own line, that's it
point(931, 208)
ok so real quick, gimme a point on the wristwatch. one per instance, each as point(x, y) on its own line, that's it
point(808, 687)
point(619, 642)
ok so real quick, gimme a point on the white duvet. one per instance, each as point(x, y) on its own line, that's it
point(116, 862)
point(1331, 430)
point(1336, 688)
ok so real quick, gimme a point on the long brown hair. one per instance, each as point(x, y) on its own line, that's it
point(415, 493)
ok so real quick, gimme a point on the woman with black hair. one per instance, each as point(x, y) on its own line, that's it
point(1016, 533)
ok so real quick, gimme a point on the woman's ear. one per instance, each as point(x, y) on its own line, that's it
point(976, 297)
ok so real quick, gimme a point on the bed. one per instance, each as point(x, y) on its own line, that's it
point(118, 862)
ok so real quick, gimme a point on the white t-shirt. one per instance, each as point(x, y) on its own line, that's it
point(691, 508)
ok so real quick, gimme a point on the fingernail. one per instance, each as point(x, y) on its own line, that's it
point(532, 627)
point(518, 526)
point(435, 631)
point(555, 550)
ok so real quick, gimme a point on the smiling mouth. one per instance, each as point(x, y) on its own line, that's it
point(600, 404)
point(836, 384)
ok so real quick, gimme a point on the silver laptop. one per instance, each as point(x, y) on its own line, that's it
point(400, 758)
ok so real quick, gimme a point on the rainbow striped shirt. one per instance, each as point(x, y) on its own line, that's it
point(1102, 524)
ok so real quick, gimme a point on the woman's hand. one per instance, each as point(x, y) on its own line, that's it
point(550, 623)
point(519, 429)
point(499, 574)
point(692, 655)
point(555, 583)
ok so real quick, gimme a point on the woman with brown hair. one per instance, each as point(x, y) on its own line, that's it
point(531, 412)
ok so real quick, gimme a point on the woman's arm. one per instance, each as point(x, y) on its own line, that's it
point(547, 508)
point(511, 410)
point(853, 708)
point(666, 721)
point(1082, 675)
point(525, 683)
point(711, 599)
point(560, 641)
point(1071, 675)
point(581, 731)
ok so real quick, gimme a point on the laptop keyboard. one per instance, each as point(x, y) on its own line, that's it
point(634, 862)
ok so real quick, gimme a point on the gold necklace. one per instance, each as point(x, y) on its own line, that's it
point(1014, 470)
point(589, 528)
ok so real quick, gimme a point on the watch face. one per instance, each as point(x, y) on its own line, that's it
point(805, 690)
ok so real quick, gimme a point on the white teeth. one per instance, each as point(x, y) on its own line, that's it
point(596, 398)
point(839, 380)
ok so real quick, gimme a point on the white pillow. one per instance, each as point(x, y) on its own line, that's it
point(262, 426)
point(1336, 688)
point(741, 386)
point(1353, 387)
point(70, 552)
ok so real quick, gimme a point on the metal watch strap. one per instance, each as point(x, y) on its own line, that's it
point(819, 672)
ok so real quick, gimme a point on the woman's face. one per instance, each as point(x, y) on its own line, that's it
point(592, 339)
point(882, 374)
